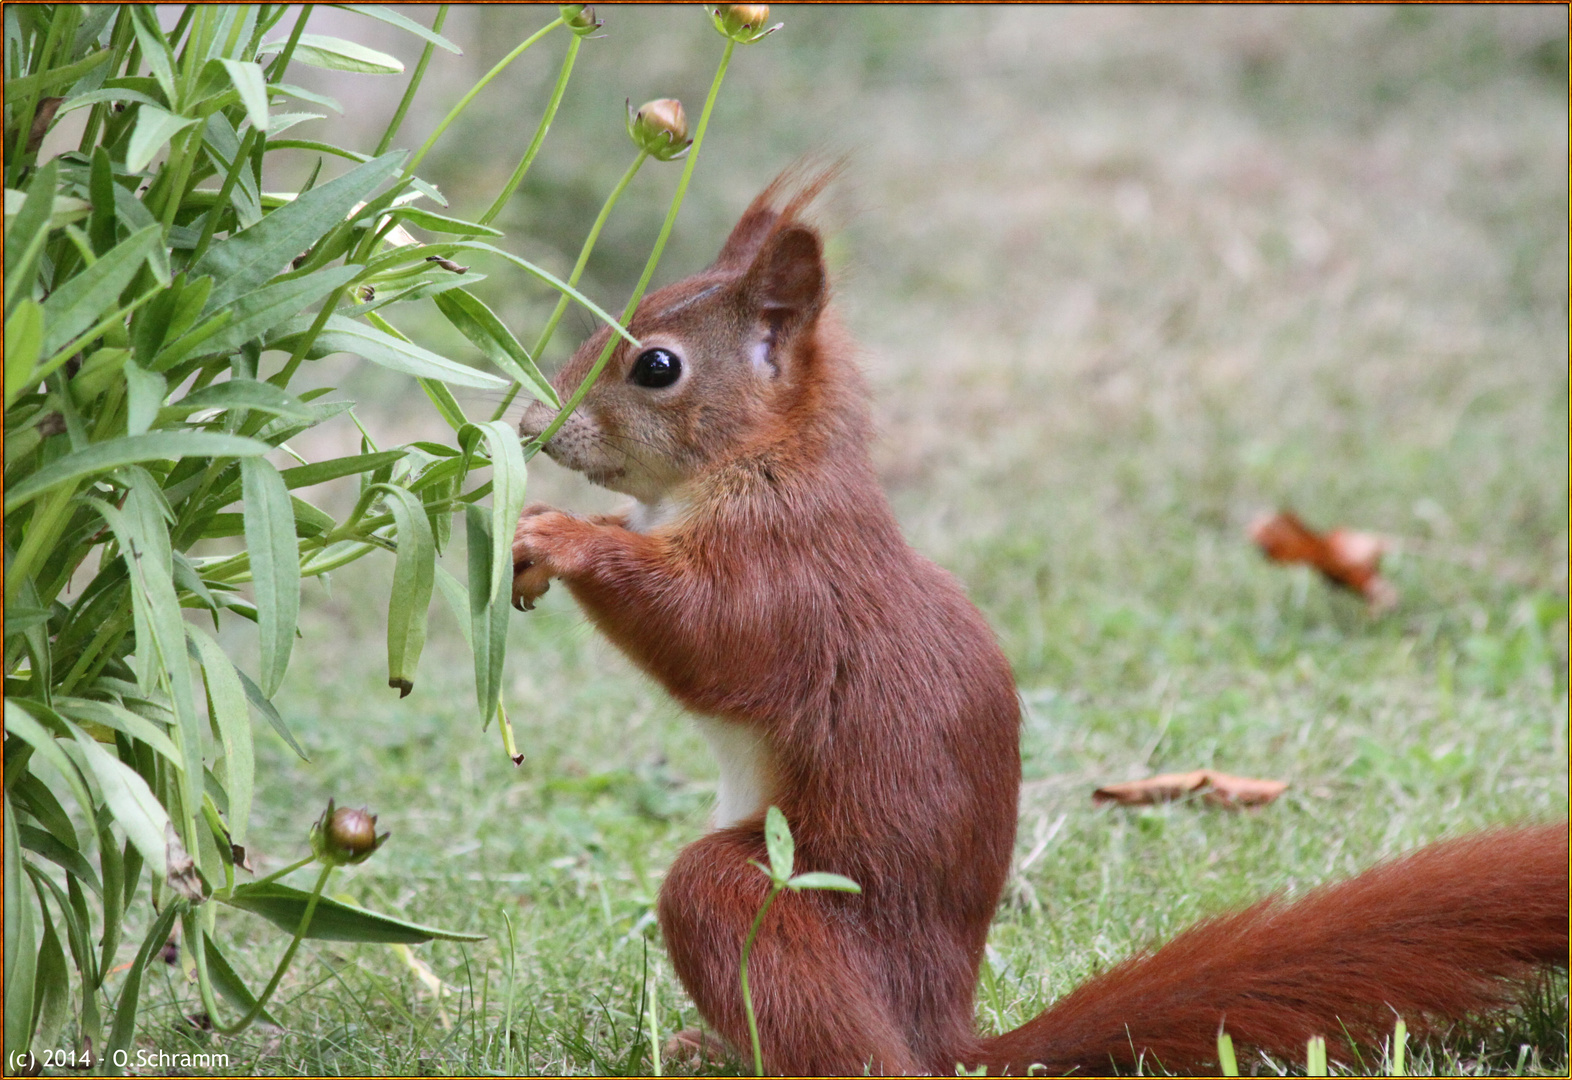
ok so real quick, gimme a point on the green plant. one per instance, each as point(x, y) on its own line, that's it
point(160, 300)
point(782, 851)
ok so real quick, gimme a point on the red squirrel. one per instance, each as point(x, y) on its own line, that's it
point(761, 578)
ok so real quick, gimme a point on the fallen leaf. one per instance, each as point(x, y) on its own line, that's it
point(1348, 559)
point(1217, 788)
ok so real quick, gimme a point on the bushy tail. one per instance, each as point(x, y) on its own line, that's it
point(1441, 933)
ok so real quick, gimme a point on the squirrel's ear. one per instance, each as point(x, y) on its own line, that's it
point(746, 236)
point(786, 282)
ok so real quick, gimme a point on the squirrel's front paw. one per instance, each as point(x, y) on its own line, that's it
point(533, 567)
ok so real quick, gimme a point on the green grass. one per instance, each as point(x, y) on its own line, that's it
point(1125, 278)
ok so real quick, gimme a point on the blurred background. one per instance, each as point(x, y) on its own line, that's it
point(1124, 278)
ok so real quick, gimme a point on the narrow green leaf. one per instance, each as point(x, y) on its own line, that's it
point(27, 85)
point(226, 702)
point(261, 704)
point(80, 302)
point(154, 128)
point(25, 726)
point(344, 335)
point(447, 405)
point(141, 530)
point(303, 94)
point(334, 921)
point(272, 305)
point(488, 611)
point(155, 51)
point(778, 842)
point(68, 858)
point(240, 394)
point(508, 474)
point(229, 984)
point(145, 393)
point(52, 985)
point(24, 346)
point(252, 85)
point(275, 566)
point(319, 472)
point(393, 18)
point(131, 989)
point(336, 54)
point(20, 934)
point(480, 325)
point(412, 581)
point(132, 802)
point(441, 223)
point(110, 454)
point(820, 880)
point(27, 230)
point(247, 260)
point(120, 718)
point(561, 286)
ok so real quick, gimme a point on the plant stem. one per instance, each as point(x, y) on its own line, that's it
point(290, 869)
point(463, 103)
point(275, 70)
point(578, 268)
point(649, 265)
point(217, 209)
point(540, 134)
point(278, 972)
point(414, 84)
point(747, 947)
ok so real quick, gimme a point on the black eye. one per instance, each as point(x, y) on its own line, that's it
point(655, 368)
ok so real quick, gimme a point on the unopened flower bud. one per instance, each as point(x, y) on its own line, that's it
point(580, 18)
point(743, 23)
point(343, 837)
point(660, 128)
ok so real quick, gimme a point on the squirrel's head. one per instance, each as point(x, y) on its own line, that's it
point(725, 360)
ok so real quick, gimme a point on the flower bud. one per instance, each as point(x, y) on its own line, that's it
point(743, 23)
point(343, 837)
point(580, 18)
point(660, 128)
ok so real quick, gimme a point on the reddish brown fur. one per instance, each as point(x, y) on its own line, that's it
point(779, 597)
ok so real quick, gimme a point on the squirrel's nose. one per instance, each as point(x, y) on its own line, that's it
point(535, 419)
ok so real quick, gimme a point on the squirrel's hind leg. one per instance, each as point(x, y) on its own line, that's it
point(817, 997)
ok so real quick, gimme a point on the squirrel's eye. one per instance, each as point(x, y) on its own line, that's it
point(655, 368)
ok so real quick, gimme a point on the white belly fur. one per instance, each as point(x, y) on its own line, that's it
point(741, 754)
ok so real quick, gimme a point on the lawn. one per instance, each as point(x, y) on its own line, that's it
point(1125, 279)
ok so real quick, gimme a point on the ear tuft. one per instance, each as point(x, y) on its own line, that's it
point(782, 203)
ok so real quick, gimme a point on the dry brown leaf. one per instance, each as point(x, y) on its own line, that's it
point(1349, 559)
point(1216, 788)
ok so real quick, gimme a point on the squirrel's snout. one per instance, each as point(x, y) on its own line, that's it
point(535, 419)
